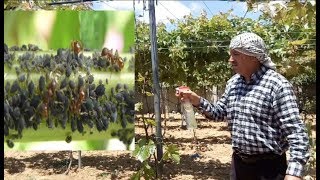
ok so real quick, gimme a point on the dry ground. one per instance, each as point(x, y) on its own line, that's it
point(212, 148)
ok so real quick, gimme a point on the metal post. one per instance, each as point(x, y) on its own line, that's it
point(156, 86)
point(79, 159)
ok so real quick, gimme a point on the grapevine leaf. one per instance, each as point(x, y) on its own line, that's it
point(144, 151)
point(151, 122)
point(172, 152)
point(149, 94)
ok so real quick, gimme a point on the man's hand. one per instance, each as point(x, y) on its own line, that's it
point(289, 177)
point(192, 96)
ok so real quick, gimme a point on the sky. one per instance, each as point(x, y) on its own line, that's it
point(178, 9)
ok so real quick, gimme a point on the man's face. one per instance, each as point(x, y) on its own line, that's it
point(241, 63)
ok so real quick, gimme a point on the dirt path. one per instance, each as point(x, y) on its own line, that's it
point(207, 158)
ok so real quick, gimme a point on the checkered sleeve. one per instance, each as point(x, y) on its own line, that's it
point(286, 110)
point(215, 111)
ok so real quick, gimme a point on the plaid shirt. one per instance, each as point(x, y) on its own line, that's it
point(262, 116)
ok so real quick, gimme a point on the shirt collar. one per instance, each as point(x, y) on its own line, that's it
point(257, 75)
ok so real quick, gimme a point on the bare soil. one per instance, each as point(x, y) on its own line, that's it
point(206, 157)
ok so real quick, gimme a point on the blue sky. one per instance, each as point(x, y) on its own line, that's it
point(215, 7)
point(178, 9)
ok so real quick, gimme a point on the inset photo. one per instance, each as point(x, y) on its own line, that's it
point(68, 80)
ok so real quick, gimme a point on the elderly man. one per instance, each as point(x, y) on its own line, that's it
point(262, 115)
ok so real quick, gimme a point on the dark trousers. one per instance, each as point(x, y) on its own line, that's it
point(260, 169)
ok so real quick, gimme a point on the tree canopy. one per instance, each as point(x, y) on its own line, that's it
point(195, 53)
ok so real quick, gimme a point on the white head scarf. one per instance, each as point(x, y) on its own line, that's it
point(252, 45)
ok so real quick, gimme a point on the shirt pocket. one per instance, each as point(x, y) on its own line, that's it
point(258, 106)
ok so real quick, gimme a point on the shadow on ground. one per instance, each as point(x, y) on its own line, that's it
point(214, 169)
point(59, 162)
point(124, 162)
point(211, 140)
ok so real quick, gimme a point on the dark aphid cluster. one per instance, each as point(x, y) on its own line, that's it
point(57, 105)
point(8, 57)
point(65, 61)
point(29, 47)
point(60, 101)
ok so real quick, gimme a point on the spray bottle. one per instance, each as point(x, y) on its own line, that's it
point(187, 109)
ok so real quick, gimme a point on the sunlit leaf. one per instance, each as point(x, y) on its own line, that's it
point(144, 150)
point(298, 42)
point(149, 94)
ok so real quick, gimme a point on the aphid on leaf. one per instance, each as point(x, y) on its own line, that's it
point(123, 122)
point(105, 121)
point(64, 121)
point(22, 77)
point(99, 125)
point(90, 123)
point(112, 91)
point(125, 86)
point(35, 126)
point(15, 87)
point(31, 88)
point(118, 87)
point(33, 47)
point(60, 96)
point(79, 125)
point(5, 108)
point(35, 101)
point(49, 123)
point(7, 87)
point(14, 48)
point(10, 143)
point(80, 81)
point(90, 79)
point(6, 50)
point(68, 71)
point(18, 71)
point(68, 139)
point(63, 83)
point(92, 87)
point(42, 83)
point(107, 107)
point(100, 90)
point(72, 84)
point(37, 119)
point(21, 124)
point(5, 129)
point(15, 100)
point(119, 97)
point(92, 94)
point(73, 124)
point(24, 47)
point(60, 52)
point(103, 62)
